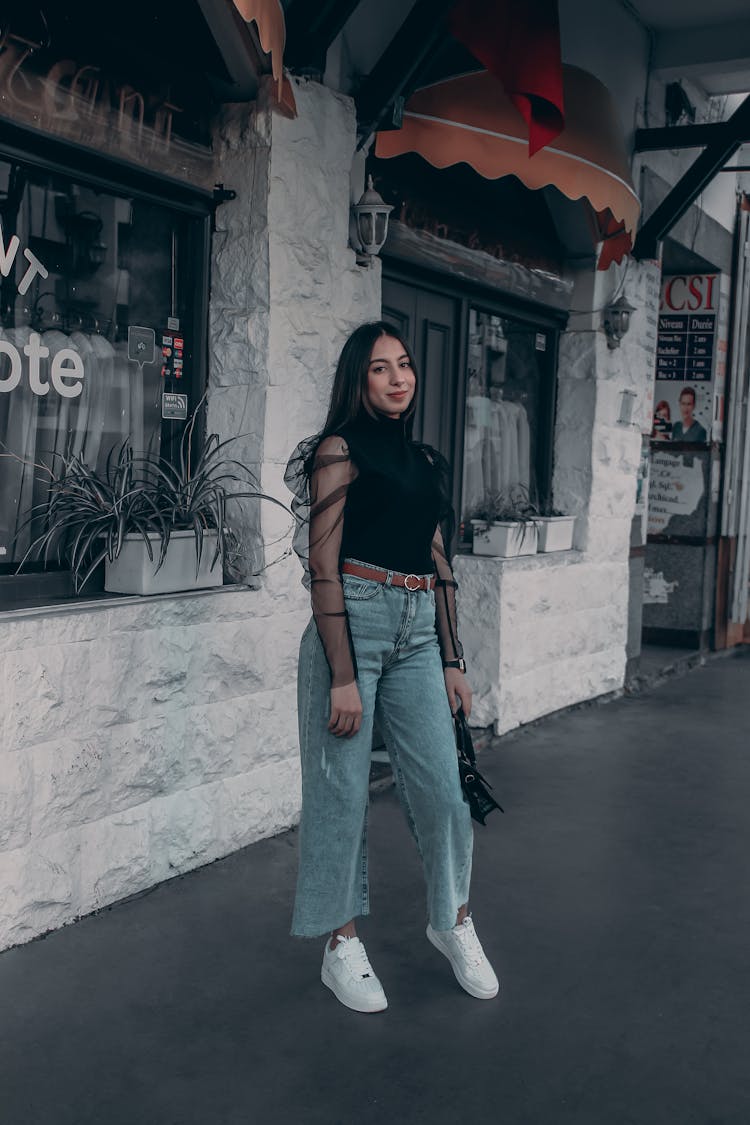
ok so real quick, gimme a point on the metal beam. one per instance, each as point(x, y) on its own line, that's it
point(311, 27)
point(396, 73)
point(699, 174)
point(681, 136)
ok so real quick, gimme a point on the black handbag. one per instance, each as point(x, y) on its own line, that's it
point(475, 787)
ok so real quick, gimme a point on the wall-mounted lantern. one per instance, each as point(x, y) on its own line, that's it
point(616, 321)
point(371, 214)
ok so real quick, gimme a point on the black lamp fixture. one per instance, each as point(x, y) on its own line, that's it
point(371, 215)
point(616, 321)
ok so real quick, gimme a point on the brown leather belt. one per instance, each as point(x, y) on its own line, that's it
point(411, 582)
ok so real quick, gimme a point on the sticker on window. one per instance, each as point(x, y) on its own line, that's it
point(541, 342)
point(141, 344)
point(174, 406)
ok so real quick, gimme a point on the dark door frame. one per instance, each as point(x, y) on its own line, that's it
point(466, 294)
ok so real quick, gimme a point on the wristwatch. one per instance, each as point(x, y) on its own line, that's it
point(460, 664)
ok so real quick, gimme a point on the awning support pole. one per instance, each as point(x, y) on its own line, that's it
point(396, 72)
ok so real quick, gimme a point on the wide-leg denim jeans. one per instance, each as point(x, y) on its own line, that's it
point(401, 684)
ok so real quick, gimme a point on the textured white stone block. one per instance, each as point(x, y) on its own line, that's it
point(69, 777)
point(16, 790)
point(558, 620)
point(224, 741)
point(37, 888)
point(184, 831)
point(116, 859)
point(255, 805)
point(543, 691)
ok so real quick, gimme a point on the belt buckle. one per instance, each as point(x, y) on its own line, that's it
point(418, 581)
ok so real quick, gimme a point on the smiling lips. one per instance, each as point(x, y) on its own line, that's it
point(397, 394)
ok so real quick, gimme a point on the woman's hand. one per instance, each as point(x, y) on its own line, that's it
point(459, 690)
point(346, 710)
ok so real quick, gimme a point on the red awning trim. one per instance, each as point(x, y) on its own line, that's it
point(520, 44)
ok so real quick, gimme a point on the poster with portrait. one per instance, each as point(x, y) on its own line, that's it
point(686, 358)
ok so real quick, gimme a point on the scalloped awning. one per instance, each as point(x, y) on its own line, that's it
point(268, 16)
point(471, 119)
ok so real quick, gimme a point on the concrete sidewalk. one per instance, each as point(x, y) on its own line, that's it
point(612, 898)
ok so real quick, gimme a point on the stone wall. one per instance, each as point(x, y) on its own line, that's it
point(548, 631)
point(142, 738)
point(139, 739)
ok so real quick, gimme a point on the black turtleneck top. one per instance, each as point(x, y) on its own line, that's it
point(393, 504)
point(375, 496)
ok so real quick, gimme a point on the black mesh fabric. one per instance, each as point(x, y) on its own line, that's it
point(372, 494)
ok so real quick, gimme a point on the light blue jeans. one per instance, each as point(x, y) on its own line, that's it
point(401, 684)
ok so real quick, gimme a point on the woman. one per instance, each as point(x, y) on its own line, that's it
point(381, 647)
point(662, 428)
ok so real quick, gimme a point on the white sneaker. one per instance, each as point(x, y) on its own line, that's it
point(349, 975)
point(464, 951)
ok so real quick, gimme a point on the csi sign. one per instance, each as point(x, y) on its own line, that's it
point(690, 293)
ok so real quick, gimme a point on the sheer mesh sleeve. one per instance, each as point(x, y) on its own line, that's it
point(445, 601)
point(332, 473)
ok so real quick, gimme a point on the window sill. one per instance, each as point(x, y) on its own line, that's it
point(110, 601)
point(546, 560)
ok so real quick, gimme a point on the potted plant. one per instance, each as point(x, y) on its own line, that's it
point(158, 527)
point(555, 529)
point(505, 525)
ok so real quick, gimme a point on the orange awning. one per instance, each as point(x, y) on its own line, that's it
point(470, 119)
point(268, 16)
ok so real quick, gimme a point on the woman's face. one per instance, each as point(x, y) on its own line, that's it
point(390, 377)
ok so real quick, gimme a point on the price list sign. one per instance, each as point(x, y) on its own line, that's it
point(686, 349)
point(687, 329)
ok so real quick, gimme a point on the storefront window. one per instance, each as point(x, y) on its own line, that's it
point(100, 335)
point(509, 407)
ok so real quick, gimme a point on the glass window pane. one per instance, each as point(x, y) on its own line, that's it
point(505, 411)
point(94, 284)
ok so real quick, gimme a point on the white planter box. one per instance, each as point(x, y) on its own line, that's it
point(132, 572)
point(555, 533)
point(506, 539)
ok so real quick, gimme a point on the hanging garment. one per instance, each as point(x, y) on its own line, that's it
point(519, 470)
point(475, 440)
point(503, 448)
point(104, 422)
point(58, 412)
point(82, 344)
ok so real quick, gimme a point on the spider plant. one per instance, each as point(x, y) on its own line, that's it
point(87, 514)
point(515, 506)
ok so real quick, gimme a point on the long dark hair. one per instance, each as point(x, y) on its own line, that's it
point(349, 391)
point(349, 400)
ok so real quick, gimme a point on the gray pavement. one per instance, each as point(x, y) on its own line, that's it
point(612, 898)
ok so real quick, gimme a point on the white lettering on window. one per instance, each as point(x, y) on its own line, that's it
point(13, 378)
point(36, 350)
point(7, 256)
point(67, 364)
point(35, 268)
